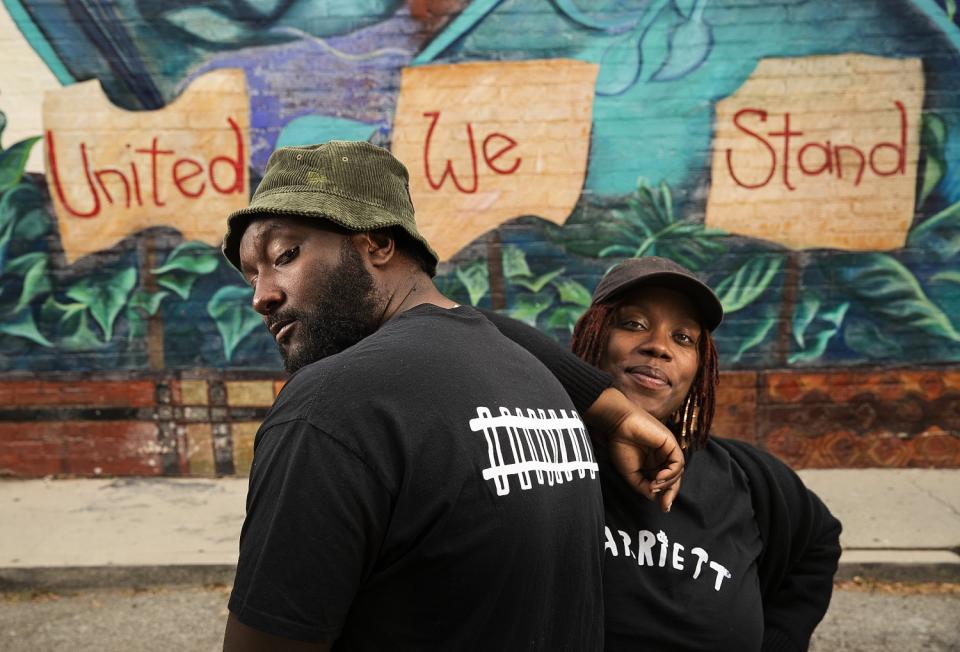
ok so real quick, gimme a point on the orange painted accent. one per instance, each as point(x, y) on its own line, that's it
point(119, 393)
point(87, 448)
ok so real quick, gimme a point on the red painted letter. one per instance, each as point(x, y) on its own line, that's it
point(490, 158)
point(448, 170)
point(55, 173)
point(786, 133)
point(901, 149)
point(239, 164)
point(773, 154)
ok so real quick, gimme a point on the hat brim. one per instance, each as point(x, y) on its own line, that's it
point(307, 202)
point(703, 298)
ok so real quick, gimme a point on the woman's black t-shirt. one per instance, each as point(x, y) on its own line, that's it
point(685, 580)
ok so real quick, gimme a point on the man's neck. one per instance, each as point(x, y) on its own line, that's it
point(413, 291)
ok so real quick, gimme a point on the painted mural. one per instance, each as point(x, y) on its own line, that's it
point(625, 136)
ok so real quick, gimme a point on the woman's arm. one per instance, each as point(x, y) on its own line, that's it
point(801, 548)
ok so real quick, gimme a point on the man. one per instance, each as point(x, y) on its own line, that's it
point(421, 482)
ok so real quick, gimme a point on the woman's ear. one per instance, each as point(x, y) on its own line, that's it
point(378, 247)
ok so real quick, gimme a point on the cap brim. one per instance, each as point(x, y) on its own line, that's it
point(706, 302)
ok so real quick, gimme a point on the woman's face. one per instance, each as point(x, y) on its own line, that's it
point(652, 352)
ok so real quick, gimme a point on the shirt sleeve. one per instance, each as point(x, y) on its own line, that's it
point(582, 382)
point(316, 514)
point(801, 549)
point(795, 606)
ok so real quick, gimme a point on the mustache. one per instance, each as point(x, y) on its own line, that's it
point(282, 316)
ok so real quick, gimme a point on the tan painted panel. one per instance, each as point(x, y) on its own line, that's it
point(249, 393)
point(200, 449)
point(243, 433)
point(113, 172)
point(488, 142)
point(819, 152)
point(194, 392)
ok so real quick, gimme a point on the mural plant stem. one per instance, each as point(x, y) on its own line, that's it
point(148, 261)
point(788, 304)
point(498, 296)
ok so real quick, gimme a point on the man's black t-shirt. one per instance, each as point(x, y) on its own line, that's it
point(429, 488)
point(696, 565)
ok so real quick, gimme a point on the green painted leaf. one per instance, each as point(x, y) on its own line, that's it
point(180, 282)
point(71, 321)
point(891, 294)
point(816, 349)
point(949, 276)
point(22, 264)
point(538, 283)
point(819, 331)
point(616, 250)
point(136, 323)
point(83, 337)
point(684, 7)
point(35, 282)
point(56, 312)
point(4, 245)
point(148, 302)
point(105, 298)
point(744, 286)
point(33, 225)
point(868, 339)
point(940, 232)
point(951, 8)
point(564, 318)
point(12, 162)
point(194, 257)
point(933, 136)
point(24, 205)
point(804, 313)
point(515, 263)
point(235, 318)
point(527, 307)
point(21, 324)
point(476, 278)
point(756, 335)
point(212, 26)
point(573, 292)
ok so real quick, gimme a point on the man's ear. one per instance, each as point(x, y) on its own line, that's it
point(378, 247)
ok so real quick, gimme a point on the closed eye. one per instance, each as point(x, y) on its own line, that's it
point(287, 256)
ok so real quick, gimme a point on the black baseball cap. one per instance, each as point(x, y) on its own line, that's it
point(661, 272)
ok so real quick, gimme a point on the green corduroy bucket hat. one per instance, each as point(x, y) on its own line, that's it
point(353, 184)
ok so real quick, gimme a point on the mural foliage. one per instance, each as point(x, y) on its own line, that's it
point(317, 70)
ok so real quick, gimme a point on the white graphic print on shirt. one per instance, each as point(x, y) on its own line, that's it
point(647, 546)
point(550, 447)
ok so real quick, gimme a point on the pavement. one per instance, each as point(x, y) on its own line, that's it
point(56, 534)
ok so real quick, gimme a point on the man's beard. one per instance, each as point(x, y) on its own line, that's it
point(344, 310)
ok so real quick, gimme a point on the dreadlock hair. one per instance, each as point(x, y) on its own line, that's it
point(695, 415)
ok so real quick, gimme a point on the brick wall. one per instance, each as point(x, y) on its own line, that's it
point(802, 157)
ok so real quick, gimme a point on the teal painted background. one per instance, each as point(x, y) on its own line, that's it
point(318, 70)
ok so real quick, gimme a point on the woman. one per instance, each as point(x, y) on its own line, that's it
point(745, 559)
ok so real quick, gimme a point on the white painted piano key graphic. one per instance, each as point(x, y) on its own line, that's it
point(543, 447)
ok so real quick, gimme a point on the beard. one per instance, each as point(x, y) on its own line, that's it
point(344, 310)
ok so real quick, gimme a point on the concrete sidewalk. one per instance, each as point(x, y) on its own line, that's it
point(898, 525)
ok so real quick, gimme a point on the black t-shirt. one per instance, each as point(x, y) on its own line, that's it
point(430, 488)
point(686, 580)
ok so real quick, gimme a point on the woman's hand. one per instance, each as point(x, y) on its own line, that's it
point(641, 448)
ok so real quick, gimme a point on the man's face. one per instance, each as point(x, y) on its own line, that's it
point(311, 287)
